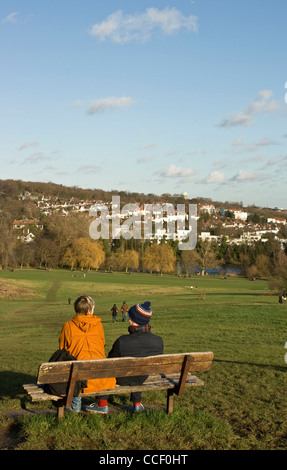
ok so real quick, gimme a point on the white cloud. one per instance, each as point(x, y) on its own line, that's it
point(142, 160)
point(12, 18)
point(173, 171)
point(35, 158)
point(243, 176)
point(240, 145)
point(122, 28)
point(150, 146)
point(255, 159)
point(108, 104)
point(88, 169)
point(27, 145)
point(77, 103)
point(260, 105)
point(215, 177)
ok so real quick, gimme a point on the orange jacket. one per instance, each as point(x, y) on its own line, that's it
point(84, 338)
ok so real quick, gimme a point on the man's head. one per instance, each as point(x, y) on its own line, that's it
point(84, 305)
point(140, 313)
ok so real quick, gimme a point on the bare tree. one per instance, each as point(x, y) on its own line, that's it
point(278, 280)
point(8, 240)
point(203, 257)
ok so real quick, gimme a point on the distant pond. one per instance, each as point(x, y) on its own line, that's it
point(224, 270)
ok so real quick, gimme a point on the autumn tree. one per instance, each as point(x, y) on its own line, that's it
point(129, 260)
point(160, 258)
point(112, 262)
point(85, 254)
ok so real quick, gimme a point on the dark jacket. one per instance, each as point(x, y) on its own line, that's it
point(140, 342)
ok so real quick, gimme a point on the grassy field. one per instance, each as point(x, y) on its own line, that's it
point(242, 405)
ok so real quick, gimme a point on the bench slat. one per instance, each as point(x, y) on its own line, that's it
point(157, 382)
point(53, 372)
point(148, 386)
point(37, 393)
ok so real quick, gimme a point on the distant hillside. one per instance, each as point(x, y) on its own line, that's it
point(12, 189)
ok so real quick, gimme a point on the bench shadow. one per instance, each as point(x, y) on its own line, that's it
point(264, 366)
point(12, 385)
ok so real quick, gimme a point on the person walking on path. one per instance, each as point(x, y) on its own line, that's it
point(124, 310)
point(114, 310)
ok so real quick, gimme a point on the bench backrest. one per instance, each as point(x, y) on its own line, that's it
point(54, 372)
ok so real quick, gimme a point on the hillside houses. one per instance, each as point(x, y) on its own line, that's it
point(208, 208)
point(213, 221)
point(49, 205)
point(276, 220)
point(26, 224)
point(238, 213)
point(24, 227)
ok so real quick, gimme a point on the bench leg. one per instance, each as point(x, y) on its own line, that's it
point(169, 404)
point(60, 410)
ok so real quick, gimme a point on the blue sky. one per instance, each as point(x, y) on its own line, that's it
point(153, 97)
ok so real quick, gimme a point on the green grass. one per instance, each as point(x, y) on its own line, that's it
point(242, 404)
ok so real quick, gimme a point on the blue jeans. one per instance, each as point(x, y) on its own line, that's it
point(76, 404)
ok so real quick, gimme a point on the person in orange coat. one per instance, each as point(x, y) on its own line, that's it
point(84, 338)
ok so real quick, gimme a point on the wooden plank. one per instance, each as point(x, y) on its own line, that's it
point(147, 386)
point(43, 397)
point(122, 367)
point(152, 383)
point(183, 375)
point(38, 394)
point(72, 383)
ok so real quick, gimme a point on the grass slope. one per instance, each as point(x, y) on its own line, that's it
point(242, 404)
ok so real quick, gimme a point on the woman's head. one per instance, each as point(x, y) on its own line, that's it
point(84, 305)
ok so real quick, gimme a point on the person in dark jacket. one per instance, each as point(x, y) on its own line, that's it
point(114, 310)
point(140, 342)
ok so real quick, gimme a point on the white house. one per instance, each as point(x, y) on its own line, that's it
point(211, 238)
point(276, 220)
point(209, 208)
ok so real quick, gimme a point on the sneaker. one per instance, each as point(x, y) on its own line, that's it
point(137, 408)
point(94, 408)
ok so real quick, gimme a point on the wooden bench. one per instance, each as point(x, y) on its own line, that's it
point(171, 372)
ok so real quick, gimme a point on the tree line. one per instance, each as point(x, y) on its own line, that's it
point(65, 242)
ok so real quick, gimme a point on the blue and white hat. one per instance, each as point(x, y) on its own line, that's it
point(141, 313)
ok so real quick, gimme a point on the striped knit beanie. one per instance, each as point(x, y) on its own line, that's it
point(141, 313)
